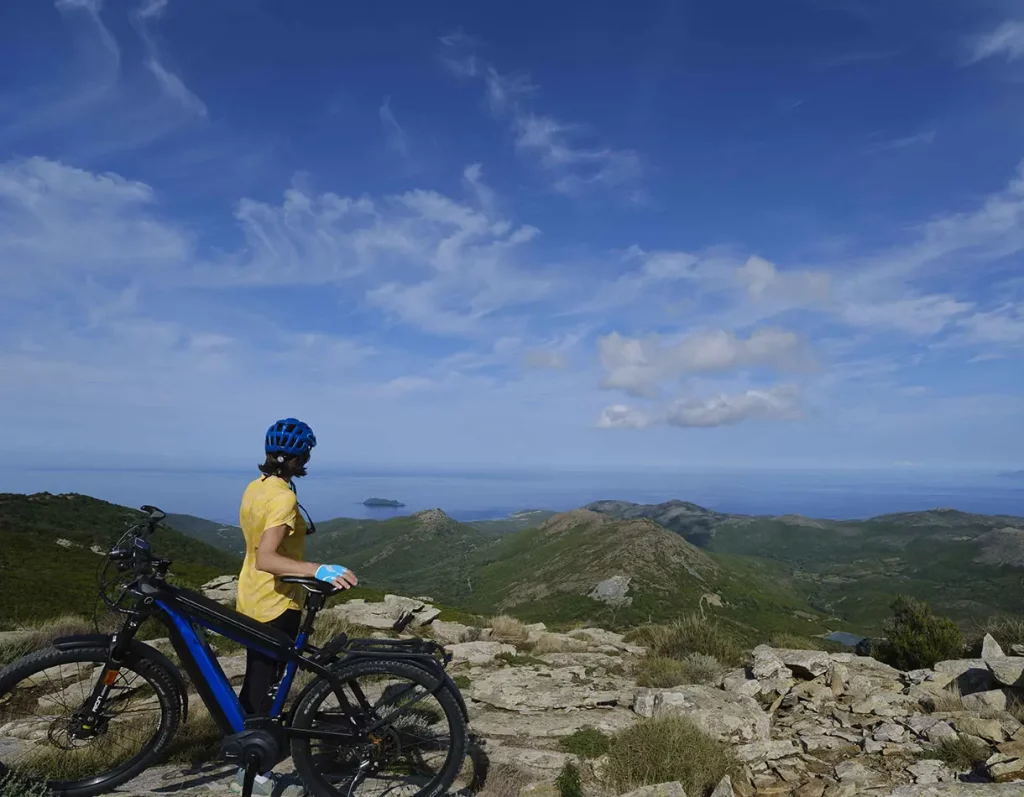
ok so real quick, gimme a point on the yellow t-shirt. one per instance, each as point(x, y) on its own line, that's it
point(267, 502)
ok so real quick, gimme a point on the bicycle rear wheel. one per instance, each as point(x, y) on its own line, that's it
point(44, 740)
point(419, 752)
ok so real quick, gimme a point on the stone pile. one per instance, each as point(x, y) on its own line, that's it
point(801, 723)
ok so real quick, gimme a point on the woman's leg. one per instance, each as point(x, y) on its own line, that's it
point(262, 672)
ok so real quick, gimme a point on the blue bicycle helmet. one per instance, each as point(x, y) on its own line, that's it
point(290, 436)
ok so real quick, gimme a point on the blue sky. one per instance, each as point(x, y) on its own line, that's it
point(673, 234)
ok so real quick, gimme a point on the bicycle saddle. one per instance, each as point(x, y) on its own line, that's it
point(310, 584)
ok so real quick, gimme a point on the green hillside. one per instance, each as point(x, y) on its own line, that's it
point(545, 573)
point(220, 535)
point(49, 559)
point(967, 566)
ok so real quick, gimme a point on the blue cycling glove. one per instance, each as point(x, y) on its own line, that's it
point(330, 572)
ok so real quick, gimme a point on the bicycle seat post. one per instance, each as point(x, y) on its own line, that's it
point(314, 603)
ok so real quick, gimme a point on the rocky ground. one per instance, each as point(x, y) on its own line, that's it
point(803, 723)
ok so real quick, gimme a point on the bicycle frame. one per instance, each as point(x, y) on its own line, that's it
point(186, 613)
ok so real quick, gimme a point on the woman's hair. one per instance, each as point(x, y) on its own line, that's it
point(284, 466)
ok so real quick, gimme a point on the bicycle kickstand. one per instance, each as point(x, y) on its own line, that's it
point(252, 763)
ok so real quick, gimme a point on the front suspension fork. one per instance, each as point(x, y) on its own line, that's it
point(120, 644)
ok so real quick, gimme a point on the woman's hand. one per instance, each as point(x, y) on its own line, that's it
point(338, 576)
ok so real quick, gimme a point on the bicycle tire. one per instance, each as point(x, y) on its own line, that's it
point(318, 691)
point(154, 675)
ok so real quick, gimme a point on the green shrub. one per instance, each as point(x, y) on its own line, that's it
point(462, 681)
point(569, 782)
point(916, 638)
point(691, 634)
point(667, 749)
point(960, 753)
point(663, 673)
point(586, 743)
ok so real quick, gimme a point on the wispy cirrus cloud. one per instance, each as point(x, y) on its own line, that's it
point(1006, 41)
point(573, 167)
point(394, 133)
point(170, 83)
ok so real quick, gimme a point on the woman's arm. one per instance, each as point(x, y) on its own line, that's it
point(270, 560)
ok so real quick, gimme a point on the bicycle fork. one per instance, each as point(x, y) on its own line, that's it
point(90, 714)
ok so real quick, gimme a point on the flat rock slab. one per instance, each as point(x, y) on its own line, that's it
point(478, 652)
point(960, 790)
point(673, 789)
point(1008, 670)
point(725, 715)
point(530, 690)
point(549, 725)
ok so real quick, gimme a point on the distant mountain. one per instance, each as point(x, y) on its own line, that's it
point(693, 522)
point(220, 535)
point(966, 565)
point(52, 547)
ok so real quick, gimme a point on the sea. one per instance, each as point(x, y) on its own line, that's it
point(485, 494)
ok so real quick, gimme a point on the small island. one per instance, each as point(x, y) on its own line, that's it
point(379, 502)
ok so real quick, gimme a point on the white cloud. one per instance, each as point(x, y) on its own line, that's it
point(778, 403)
point(545, 359)
point(640, 367)
point(1004, 325)
point(572, 168)
point(171, 84)
point(56, 220)
point(393, 131)
point(917, 139)
point(763, 282)
point(485, 196)
point(620, 416)
point(1007, 40)
point(921, 315)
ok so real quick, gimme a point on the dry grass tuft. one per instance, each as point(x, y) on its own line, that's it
point(663, 673)
point(508, 629)
point(690, 634)
point(40, 635)
point(505, 780)
point(667, 749)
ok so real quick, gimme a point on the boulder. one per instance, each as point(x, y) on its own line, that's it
point(223, 589)
point(724, 715)
point(993, 699)
point(1003, 768)
point(990, 649)
point(738, 682)
point(805, 663)
point(382, 615)
point(989, 730)
point(1007, 670)
point(970, 675)
point(767, 664)
point(612, 591)
point(449, 633)
point(489, 723)
point(931, 770)
point(889, 732)
point(724, 788)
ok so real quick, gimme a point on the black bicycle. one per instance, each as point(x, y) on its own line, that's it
point(92, 712)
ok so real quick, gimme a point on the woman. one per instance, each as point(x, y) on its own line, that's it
point(275, 544)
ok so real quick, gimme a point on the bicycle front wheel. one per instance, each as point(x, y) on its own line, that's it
point(44, 739)
point(417, 752)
